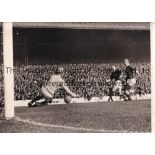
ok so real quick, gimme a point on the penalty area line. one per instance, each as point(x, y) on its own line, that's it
point(70, 127)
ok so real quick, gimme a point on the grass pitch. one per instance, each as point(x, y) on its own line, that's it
point(130, 116)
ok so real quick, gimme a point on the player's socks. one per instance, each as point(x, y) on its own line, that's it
point(122, 96)
point(36, 104)
point(36, 99)
point(129, 98)
point(44, 102)
point(30, 104)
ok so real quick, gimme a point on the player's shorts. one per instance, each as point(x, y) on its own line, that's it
point(117, 86)
point(45, 93)
point(131, 82)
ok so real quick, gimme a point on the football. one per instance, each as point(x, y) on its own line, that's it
point(67, 99)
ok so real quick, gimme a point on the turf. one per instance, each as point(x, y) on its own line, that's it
point(132, 116)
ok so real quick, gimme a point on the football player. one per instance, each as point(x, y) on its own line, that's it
point(47, 92)
point(115, 82)
point(116, 79)
point(130, 72)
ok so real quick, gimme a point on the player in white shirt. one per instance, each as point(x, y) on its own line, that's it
point(47, 92)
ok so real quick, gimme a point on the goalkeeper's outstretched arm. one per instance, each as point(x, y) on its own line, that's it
point(69, 91)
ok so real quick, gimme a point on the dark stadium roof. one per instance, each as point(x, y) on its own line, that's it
point(86, 25)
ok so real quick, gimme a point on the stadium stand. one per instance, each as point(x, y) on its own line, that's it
point(86, 79)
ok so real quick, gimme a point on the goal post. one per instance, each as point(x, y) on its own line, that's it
point(8, 69)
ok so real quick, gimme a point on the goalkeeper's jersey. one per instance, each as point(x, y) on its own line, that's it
point(54, 83)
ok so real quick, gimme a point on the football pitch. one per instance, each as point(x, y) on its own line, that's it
point(113, 117)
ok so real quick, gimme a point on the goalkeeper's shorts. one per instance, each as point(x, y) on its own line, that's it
point(45, 93)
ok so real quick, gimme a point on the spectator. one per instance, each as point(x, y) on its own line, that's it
point(86, 79)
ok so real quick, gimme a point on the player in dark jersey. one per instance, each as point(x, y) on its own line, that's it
point(130, 79)
point(116, 83)
point(116, 79)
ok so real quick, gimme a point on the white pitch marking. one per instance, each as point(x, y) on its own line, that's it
point(70, 127)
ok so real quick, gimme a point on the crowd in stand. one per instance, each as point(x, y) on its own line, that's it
point(85, 79)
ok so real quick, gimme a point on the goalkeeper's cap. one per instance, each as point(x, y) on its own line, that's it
point(59, 70)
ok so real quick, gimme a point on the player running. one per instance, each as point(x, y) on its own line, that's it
point(115, 82)
point(116, 79)
point(130, 79)
point(47, 91)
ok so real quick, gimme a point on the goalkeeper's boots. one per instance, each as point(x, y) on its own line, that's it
point(30, 104)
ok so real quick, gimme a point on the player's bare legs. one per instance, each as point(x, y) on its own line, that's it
point(116, 77)
point(128, 95)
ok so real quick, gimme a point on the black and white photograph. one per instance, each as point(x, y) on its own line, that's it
point(75, 77)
